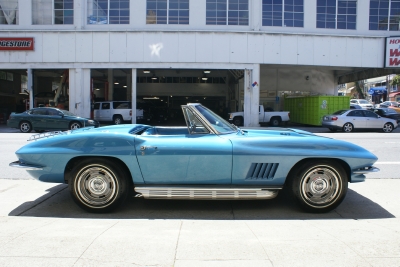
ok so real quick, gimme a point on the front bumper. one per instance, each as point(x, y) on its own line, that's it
point(19, 164)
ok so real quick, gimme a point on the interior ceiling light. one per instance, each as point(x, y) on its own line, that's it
point(207, 71)
point(124, 86)
point(153, 97)
point(154, 77)
point(116, 82)
point(146, 71)
point(204, 78)
point(97, 89)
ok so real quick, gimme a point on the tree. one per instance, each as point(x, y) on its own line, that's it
point(360, 89)
point(395, 81)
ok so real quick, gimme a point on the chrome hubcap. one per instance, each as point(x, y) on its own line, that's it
point(96, 186)
point(320, 186)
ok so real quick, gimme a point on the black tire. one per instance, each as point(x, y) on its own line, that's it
point(25, 127)
point(74, 125)
point(332, 129)
point(117, 119)
point(388, 127)
point(318, 185)
point(238, 121)
point(348, 127)
point(98, 185)
point(275, 121)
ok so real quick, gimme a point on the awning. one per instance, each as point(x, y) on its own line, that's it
point(394, 94)
point(377, 90)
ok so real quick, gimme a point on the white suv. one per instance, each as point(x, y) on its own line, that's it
point(362, 103)
point(115, 111)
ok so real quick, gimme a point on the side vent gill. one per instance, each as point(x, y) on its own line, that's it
point(262, 171)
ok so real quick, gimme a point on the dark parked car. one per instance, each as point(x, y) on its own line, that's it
point(42, 119)
point(388, 113)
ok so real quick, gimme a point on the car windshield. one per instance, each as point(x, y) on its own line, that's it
point(363, 102)
point(339, 112)
point(66, 112)
point(219, 124)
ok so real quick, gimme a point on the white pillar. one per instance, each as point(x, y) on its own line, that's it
point(134, 90)
point(30, 87)
point(79, 92)
point(251, 96)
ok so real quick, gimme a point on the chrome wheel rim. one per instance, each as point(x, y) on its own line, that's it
point(347, 127)
point(320, 186)
point(25, 127)
point(387, 128)
point(75, 126)
point(96, 186)
point(117, 121)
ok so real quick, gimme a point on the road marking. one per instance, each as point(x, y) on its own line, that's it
point(386, 163)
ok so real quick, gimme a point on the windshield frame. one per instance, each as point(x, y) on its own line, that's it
point(205, 115)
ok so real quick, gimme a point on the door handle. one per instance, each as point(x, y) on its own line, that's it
point(146, 147)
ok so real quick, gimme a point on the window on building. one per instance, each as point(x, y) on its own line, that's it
point(227, 12)
point(47, 12)
point(384, 15)
point(337, 14)
point(167, 12)
point(108, 11)
point(8, 11)
point(286, 13)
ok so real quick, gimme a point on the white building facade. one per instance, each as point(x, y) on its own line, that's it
point(263, 49)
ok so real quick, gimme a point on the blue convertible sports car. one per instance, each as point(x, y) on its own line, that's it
point(208, 159)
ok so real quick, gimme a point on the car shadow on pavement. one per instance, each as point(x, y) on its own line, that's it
point(58, 203)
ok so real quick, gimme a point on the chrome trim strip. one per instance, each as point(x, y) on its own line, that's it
point(45, 135)
point(190, 192)
point(28, 167)
point(366, 171)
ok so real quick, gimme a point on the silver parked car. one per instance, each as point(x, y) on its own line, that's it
point(362, 102)
point(353, 119)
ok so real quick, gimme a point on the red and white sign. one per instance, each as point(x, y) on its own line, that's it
point(16, 43)
point(392, 57)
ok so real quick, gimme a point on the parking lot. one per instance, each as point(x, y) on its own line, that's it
point(40, 225)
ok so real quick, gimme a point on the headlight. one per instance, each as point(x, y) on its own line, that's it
point(91, 122)
point(230, 116)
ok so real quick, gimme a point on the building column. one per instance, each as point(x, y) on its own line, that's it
point(133, 94)
point(251, 96)
point(79, 92)
point(109, 96)
point(29, 74)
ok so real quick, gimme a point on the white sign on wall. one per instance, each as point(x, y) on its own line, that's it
point(392, 57)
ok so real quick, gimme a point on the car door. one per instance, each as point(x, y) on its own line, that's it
point(356, 117)
point(96, 111)
point(56, 120)
point(372, 120)
point(39, 118)
point(105, 112)
point(199, 157)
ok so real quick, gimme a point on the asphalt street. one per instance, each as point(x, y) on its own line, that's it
point(40, 225)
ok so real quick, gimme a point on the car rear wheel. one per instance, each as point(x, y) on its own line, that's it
point(98, 185)
point(117, 120)
point(388, 127)
point(318, 185)
point(275, 121)
point(75, 125)
point(348, 127)
point(25, 127)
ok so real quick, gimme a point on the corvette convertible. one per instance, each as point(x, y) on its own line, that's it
point(207, 159)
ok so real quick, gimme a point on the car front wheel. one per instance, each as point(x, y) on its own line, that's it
point(98, 185)
point(388, 127)
point(74, 125)
point(25, 127)
point(275, 122)
point(238, 121)
point(318, 185)
point(348, 127)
